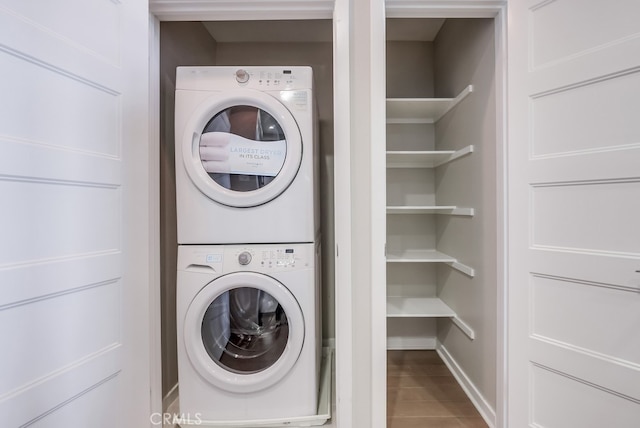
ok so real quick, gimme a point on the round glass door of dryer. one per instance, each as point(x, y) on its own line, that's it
point(244, 332)
point(242, 150)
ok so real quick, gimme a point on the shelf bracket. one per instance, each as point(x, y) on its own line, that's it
point(469, 271)
point(464, 327)
point(466, 91)
point(457, 154)
point(463, 211)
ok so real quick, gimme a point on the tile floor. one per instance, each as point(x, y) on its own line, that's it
point(422, 393)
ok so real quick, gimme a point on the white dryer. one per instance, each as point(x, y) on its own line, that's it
point(246, 154)
point(248, 331)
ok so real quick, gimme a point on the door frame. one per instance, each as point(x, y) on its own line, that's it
point(213, 10)
point(341, 14)
point(496, 10)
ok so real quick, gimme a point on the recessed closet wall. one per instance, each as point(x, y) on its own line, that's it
point(242, 43)
point(464, 54)
point(438, 58)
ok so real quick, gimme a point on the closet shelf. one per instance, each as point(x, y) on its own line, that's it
point(451, 210)
point(417, 307)
point(422, 110)
point(425, 307)
point(419, 256)
point(424, 159)
point(429, 256)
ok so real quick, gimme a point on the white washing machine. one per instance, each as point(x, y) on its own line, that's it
point(248, 331)
point(246, 155)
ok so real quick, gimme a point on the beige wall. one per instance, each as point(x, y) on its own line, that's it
point(464, 54)
point(409, 69)
point(181, 43)
point(189, 43)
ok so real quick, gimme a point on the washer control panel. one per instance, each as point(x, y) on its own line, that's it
point(258, 258)
point(279, 257)
point(269, 258)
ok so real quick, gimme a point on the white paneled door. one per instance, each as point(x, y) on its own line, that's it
point(574, 217)
point(74, 235)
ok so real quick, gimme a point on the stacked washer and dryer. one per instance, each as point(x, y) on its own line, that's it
point(248, 280)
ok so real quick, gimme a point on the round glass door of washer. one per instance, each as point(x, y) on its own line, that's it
point(243, 150)
point(244, 332)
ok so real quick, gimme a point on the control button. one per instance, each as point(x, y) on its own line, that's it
point(244, 258)
point(242, 76)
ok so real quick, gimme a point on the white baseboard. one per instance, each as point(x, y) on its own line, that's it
point(410, 343)
point(486, 411)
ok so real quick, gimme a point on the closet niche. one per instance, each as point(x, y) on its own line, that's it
point(441, 190)
point(241, 43)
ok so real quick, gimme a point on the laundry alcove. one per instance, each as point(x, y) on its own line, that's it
point(240, 43)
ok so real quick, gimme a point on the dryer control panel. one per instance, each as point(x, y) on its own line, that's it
point(284, 78)
point(260, 78)
point(255, 258)
point(271, 78)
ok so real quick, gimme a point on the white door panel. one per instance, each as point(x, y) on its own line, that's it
point(581, 405)
point(74, 181)
point(593, 116)
point(40, 43)
point(555, 36)
point(574, 204)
